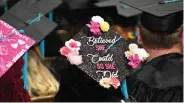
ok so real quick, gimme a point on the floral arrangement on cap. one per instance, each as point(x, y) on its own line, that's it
point(71, 51)
point(136, 55)
point(98, 25)
point(108, 82)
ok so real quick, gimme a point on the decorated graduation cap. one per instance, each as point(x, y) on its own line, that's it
point(29, 16)
point(156, 15)
point(99, 52)
point(13, 45)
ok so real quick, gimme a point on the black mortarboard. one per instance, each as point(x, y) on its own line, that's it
point(3, 2)
point(156, 15)
point(111, 53)
point(20, 14)
point(106, 3)
point(77, 5)
point(43, 6)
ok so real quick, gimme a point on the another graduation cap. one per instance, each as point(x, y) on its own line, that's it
point(43, 6)
point(3, 2)
point(100, 49)
point(106, 3)
point(25, 15)
point(78, 5)
point(156, 15)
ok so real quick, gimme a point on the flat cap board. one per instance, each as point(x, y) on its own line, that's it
point(154, 7)
point(106, 3)
point(39, 30)
point(77, 4)
point(127, 12)
point(156, 16)
point(18, 17)
point(21, 12)
point(43, 6)
point(96, 62)
point(13, 46)
point(13, 20)
point(3, 2)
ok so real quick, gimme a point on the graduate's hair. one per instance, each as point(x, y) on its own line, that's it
point(161, 40)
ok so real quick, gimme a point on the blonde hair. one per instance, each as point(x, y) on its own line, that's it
point(41, 81)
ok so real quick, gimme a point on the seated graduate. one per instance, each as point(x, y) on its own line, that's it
point(160, 78)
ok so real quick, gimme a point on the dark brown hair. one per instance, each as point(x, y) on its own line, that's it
point(160, 40)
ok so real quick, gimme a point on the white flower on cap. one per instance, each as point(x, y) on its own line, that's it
point(133, 47)
point(143, 55)
point(97, 19)
point(105, 82)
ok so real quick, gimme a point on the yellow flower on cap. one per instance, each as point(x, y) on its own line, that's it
point(104, 26)
point(130, 35)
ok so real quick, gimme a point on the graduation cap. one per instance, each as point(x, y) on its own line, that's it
point(102, 54)
point(106, 3)
point(156, 15)
point(3, 2)
point(29, 16)
point(43, 6)
point(77, 5)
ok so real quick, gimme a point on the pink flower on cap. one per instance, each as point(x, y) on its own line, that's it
point(74, 58)
point(73, 45)
point(134, 61)
point(71, 51)
point(64, 51)
point(115, 82)
point(94, 27)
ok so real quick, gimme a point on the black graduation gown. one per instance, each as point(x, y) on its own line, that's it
point(160, 80)
point(76, 86)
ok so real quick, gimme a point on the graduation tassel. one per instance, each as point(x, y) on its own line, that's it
point(42, 48)
point(137, 29)
point(25, 56)
point(6, 6)
point(112, 45)
point(42, 44)
point(124, 89)
point(51, 16)
point(25, 67)
point(25, 71)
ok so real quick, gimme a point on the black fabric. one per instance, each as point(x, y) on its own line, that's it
point(160, 80)
point(76, 86)
point(153, 7)
point(155, 17)
point(165, 24)
point(19, 15)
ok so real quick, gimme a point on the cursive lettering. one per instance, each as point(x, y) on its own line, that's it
point(108, 74)
point(96, 58)
point(93, 41)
